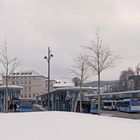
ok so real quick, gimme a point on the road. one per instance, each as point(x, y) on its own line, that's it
point(121, 114)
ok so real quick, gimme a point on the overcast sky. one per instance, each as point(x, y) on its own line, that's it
point(32, 25)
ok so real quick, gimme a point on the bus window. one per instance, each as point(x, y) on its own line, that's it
point(135, 103)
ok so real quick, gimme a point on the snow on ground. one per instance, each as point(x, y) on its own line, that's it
point(66, 126)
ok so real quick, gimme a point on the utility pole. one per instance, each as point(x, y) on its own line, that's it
point(48, 60)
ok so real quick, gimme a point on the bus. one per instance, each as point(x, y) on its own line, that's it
point(26, 104)
point(128, 105)
point(94, 107)
point(109, 104)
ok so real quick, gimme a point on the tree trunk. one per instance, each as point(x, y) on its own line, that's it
point(6, 95)
point(99, 100)
point(80, 98)
point(80, 92)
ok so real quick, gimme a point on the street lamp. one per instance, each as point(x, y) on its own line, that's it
point(48, 59)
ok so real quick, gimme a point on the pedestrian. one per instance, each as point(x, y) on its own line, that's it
point(11, 107)
point(15, 107)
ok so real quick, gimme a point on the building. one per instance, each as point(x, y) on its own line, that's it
point(33, 83)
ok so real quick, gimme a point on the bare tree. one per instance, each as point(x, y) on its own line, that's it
point(76, 81)
point(138, 69)
point(9, 65)
point(137, 77)
point(82, 72)
point(124, 78)
point(100, 58)
point(130, 79)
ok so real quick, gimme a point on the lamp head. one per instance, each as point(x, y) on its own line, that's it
point(45, 57)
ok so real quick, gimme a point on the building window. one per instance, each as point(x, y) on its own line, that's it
point(25, 82)
point(29, 95)
point(33, 95)
point(29, 82)
point(29, 89)
point(25, 89)
point(13, 83)
point(25, 95)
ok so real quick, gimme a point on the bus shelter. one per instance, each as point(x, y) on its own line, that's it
point(8, 95)
point(65, 99)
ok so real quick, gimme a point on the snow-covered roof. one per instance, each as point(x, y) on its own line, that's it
point(58, 85)
point(26, 73)
point(12, 86)
point(66, 126)
point(75, 88)
point(70, 88)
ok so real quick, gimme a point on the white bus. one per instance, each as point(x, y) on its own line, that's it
point(109, 104)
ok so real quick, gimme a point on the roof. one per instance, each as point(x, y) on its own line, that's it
point(26, 73)
point(71, 89)
point(116, 93)
point(12, 87)
point(59, 85)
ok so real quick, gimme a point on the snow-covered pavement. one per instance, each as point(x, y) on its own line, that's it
point(66, 126)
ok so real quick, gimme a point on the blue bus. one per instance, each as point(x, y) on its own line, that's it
point(94, 107)
point(26, 104)
point(128, 105)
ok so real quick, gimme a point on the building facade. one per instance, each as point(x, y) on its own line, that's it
point(33, 83)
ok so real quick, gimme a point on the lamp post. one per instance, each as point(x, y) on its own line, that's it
point(48, 59)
